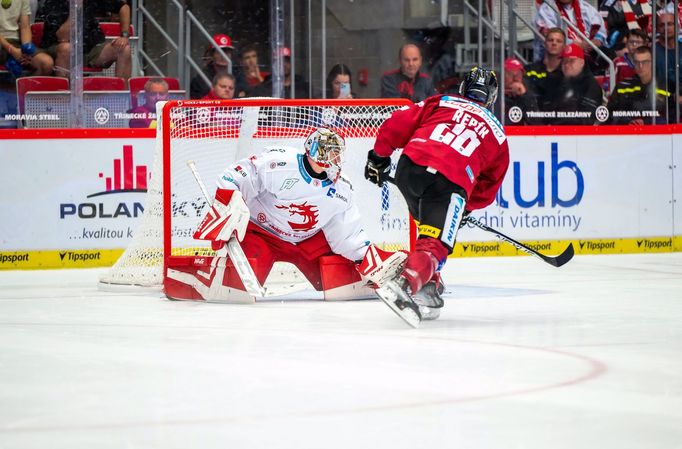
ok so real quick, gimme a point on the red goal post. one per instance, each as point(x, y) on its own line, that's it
point(217, 133)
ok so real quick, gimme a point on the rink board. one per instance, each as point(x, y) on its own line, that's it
point(66, 204)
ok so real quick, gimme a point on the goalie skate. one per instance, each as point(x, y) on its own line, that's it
point(393, 294)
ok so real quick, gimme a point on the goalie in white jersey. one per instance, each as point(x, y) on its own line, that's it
point(292, 205)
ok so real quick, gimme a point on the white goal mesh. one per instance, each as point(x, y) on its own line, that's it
point(215, 134)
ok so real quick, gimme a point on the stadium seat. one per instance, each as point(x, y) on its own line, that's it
point(113, 29)
point(44, 100)
point(38, 84)
point(37, 33)
point(103, 83)
point(137, 86)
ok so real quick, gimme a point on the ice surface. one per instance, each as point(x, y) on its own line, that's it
point(524, 355)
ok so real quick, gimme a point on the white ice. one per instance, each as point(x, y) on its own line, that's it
point(524, 356)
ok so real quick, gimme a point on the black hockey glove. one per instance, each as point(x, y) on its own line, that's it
point(377, 168)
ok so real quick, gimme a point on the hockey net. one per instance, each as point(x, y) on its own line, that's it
point(215, 134)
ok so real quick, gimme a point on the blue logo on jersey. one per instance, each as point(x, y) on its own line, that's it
point(331, 192)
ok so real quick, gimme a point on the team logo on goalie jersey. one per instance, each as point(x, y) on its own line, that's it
point(308, 212)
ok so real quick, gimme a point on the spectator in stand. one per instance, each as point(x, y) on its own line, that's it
point(300, 85)
point(630, 101)
point(407, 81)
point(623, 16)
point(15, 41)
point(547, 71)
point(97, 52)
point(665, 51)
point(339, 83)
point(517, 95)
point(624, 67)
point(253, 75)
point(144, 116)
point(581, 14)
point(215, 64)
point(222, 88)
point(577, 95)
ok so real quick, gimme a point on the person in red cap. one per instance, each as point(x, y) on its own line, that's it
point(577, 95)
point(518, 100)
point(301, 87)
point(215, 64)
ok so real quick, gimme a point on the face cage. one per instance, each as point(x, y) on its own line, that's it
point(321, 156)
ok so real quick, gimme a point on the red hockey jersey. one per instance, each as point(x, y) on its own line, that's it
point(459, 138)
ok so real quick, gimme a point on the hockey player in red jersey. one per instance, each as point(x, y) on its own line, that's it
point(455, 156)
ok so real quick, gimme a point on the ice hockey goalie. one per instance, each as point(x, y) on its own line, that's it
point(286, 204)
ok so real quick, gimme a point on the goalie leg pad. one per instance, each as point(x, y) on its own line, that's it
point(211, 279)
point(341, 280)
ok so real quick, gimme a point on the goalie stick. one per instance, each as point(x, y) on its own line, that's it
point(555, 261)
point(234, 249)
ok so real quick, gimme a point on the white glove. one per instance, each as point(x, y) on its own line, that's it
point(228, 216)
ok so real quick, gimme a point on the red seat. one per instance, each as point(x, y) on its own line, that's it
point(38, 83)
point(113, 29)
point(137, 85)
point(104, 83)
point(37, 29)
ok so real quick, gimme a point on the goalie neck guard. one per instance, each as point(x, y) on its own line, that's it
point(325, 148)
point(480, 85)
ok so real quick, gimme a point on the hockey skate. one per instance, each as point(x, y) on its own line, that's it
point(429, 299)
point(394, 294)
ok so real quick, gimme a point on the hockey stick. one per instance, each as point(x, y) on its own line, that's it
point(234, 249)
point(556, 261)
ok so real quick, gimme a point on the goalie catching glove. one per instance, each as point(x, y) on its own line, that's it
point(228, 216)
point(377, 168)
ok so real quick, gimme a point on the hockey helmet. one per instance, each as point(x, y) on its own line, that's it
point(479, 85)
point(325, 148)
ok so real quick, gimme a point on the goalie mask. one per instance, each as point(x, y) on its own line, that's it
point(326, 148)
point(480, 85)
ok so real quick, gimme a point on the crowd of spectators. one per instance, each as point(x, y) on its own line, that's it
point(566, 82)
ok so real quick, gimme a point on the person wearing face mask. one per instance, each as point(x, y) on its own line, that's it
point(144, 116)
